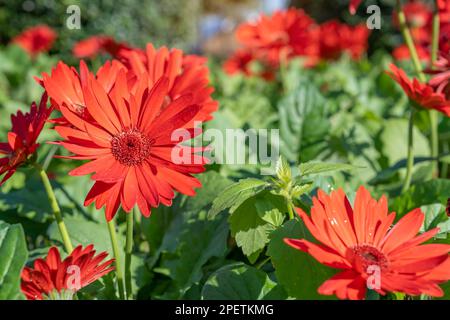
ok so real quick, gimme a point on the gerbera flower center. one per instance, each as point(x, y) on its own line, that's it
point(131, 147)
point(365, 256)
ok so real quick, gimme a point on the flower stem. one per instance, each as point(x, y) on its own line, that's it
point(55, 208)
point(419, 71)
point(434, 114)
point(435, 35)
point(118, 260)
point(410, 156)
point(128, 252)
point(409, 41)
point(291, 212)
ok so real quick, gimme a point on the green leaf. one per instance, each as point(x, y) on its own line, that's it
point(393, 137)
point(233, 196)
point(304, 123)
point(429, 192)
point(269, 213)
point(250, 231)
point(190, 242)
point(316, 167)
point(13, 253)
point(241, 282)
point(249, 228)
point(298, 272)
point(85, 232)
point(436, 217)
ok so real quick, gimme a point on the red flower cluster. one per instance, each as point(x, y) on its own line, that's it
point(275, 39)
point(36, 39)
point(124, 120)
point(92, 46)
point(360, 241)
point(336, 38)
point(22, 145)
point(425, 95)
point(55, 279)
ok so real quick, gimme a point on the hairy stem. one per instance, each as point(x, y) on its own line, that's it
point(410, 156)
point(128, 252)
point(55, 208)
point(118, 260)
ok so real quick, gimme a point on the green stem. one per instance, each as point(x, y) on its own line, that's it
point(434, 114)
point(410, 156)
point(435, 35)
point(409, 41)
point(419, 71)
point(118, 260)
point(434, 142)
point(290, 210)
point(444, 171)
point(128, 252)
point(55, 208)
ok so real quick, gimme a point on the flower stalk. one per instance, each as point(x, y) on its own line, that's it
point(128, 253)
point(118, 260)
point(55, 209)
point(410, 155)
point(419, 71)
point(434, 114)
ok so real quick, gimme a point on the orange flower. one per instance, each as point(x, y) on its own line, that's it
point(36, 39)
point(53, 278)
point(336, 38)
point(421, 93)
point(22, 139)
point(279, 37)
point(361, 242)
point(128, 141)
point(64, 85)
point(187, 74)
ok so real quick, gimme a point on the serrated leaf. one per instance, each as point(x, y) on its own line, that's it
point(241, 282)
point(233, 196)
point(316, 167)
point(269, 213)
point(250, 231)
point(13, 256)
point(299, 273)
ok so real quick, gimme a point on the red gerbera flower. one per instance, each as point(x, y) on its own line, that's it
point(64, 85)
point(56, 279)
point(92, 46)
point(353, 6)
point(361, 242)
point(336, 38)
point(22, 145)
point(36, 39)
point(421, 93)
point(281, 36)
point(240, 62)
point(129, 143)
point(187, 74)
